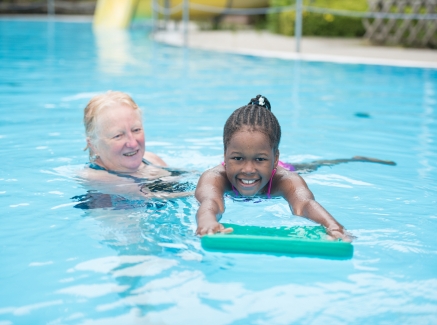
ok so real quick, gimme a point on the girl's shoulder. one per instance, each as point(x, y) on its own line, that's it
point(284, 179)
point(284, 172)
point(219, 169)
point(217, 176)
point(214, 177)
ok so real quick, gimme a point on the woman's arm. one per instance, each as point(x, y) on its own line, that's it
point(209, 192)
point(302, 203)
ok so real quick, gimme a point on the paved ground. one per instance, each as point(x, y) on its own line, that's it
point(312, 48)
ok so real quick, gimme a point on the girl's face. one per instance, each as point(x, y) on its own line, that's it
point(120, 142)
point(249, 161)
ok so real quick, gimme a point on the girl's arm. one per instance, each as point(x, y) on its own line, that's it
point(209, 192)
point(302, 203)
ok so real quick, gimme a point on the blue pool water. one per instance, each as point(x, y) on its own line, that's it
point(62, 265)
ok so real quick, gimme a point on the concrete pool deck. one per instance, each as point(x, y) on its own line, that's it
point(262, 43)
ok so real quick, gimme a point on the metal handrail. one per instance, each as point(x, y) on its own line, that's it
point(257, 11)
point(237, 11)
point(166, 11)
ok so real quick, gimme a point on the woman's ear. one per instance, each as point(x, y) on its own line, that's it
point(90, 146)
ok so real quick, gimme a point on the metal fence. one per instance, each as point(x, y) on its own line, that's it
point(380, 21)
point(51, 7)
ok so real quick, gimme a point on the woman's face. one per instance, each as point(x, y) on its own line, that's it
point(120, 142)
point(249, 161)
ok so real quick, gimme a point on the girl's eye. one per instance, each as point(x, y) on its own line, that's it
point(237, 158)
point(260, 159)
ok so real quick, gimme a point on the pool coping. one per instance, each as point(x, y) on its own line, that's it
point(342, 50)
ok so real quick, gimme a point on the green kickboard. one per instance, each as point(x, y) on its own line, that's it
point(304, 240)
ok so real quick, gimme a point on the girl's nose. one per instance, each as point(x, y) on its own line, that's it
point(249, 167)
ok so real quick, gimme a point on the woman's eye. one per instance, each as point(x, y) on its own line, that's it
point(118, 136)
point(137, 130)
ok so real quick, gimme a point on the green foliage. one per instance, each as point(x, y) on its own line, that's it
point(318, 24)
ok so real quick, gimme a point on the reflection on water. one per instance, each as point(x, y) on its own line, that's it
point(426, 138)
point(164, 300)
point(114, 50)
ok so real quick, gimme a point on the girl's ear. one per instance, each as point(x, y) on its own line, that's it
point(276, 158)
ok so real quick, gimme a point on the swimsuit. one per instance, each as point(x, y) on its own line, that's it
point(136, 179)
point(154, 185)
point(94, 199)
point(290, 167)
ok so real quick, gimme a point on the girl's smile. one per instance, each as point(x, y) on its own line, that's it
point(249, 161)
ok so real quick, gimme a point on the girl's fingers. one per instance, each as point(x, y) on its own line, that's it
point(226, 230)
point(211, 231)
point(336, 234)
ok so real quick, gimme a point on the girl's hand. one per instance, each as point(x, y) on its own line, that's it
point(211, 228)
point(339, 233)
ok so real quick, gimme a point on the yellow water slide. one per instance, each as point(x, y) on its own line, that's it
point(120, 13)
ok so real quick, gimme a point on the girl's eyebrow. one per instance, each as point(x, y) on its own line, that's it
point(257, 154)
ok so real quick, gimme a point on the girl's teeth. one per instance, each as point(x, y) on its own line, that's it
point(246, 181)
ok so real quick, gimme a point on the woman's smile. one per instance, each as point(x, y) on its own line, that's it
point(130, 154)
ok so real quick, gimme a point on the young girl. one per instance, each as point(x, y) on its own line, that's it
point(251, 167)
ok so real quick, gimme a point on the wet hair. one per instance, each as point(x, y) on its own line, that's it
point(99, 103)
point(257, 116)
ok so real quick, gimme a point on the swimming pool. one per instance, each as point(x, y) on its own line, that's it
point(62, 265)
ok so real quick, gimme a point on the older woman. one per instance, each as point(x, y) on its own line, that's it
point(118, 160)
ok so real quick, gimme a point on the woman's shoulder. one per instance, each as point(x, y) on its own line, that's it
point(88, 172)
point(154, 159)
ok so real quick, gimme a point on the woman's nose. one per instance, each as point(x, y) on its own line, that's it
point(130, 140)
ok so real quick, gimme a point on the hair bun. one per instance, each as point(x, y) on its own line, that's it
point(262, 101)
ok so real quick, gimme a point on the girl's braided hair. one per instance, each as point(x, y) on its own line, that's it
point(257, 116)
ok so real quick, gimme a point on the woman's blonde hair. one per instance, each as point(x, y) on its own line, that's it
point(100, 102)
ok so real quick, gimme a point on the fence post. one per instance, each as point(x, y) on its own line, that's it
point(298, 24)
point(186, 19)
point(154, 18)
point(50, 7)
point(167, 13)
